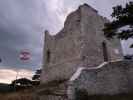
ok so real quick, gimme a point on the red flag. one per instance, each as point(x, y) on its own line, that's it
point(25, 55)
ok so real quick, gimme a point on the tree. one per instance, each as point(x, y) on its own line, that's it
point(22, 82)
point(37, 75)
point(122, 25)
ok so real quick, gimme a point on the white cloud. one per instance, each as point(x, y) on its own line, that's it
point(126, 46)
point(8, 75)
point(57, 10)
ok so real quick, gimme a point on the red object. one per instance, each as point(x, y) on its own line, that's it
point(25, 55)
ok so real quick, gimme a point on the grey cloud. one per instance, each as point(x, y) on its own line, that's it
point(21, 28)
point(22, 23)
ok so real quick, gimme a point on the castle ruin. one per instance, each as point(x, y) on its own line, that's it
point(80, 43)
point(79, 46)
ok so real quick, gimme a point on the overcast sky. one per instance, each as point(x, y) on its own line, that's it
point(22, 23)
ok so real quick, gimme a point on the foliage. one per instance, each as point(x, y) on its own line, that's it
point(22, 82)
point(37, 75)
point(122, 24)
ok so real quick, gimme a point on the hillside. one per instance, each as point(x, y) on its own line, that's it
point(4, 88)
point(21, 95)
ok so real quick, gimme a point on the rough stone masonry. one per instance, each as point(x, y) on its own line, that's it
point(79, 57)
point(79, 43)
point(110, 78)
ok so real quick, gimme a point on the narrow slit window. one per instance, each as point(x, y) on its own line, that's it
point(48, 56)
point(105, 52)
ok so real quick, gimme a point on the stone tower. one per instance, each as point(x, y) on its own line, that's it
point(80, 43)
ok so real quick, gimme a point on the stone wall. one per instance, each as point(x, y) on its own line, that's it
point(93, 37)
point(52, 91)
point(111, 79)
